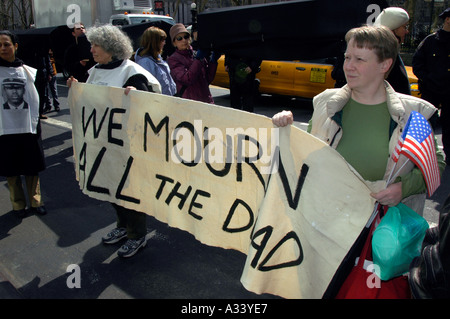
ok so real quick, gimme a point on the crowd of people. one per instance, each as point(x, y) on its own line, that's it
point(362, 118)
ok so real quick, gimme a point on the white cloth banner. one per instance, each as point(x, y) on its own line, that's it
point(282, 197)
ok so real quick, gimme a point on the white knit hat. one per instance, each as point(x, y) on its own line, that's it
point(392, 18)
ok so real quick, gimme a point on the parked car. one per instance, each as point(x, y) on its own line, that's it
point(303, 79)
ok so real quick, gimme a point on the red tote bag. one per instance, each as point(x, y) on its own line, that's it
point(362, 284)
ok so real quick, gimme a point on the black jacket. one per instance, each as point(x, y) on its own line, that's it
point(431, 63)
point(234, 62)
point(398, 77)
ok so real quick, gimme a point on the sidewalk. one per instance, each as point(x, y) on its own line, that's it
point(7, 291)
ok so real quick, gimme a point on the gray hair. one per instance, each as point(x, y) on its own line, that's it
point(112, 40)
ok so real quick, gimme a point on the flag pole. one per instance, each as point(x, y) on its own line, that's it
point(374, 214)
point(390, 178)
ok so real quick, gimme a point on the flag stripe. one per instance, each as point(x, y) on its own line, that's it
point(397, 150)
point(415, 148)
point(428, 169)
point(417, 143)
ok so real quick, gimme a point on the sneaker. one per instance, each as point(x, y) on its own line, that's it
point(131, 247)
point(115, 236)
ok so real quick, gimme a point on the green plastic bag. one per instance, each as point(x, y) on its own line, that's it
point(397, 240)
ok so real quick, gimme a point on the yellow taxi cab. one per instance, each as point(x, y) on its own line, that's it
point(413, 82)
point(295, 78)
point(292, 78)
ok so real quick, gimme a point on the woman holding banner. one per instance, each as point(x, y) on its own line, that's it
point(20, 130)
point(111, 49)
point(365, 119)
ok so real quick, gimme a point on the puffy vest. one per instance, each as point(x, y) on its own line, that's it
point(400, 106)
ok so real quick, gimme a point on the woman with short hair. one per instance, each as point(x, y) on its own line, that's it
point(363, 121)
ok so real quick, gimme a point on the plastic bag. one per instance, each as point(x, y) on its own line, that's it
point(397, 240)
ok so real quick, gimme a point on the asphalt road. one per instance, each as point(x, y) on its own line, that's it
point(36, 252)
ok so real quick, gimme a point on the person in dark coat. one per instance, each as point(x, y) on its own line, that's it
point(22, 152)
point(41, 61)
point(78, 57)
point(52, 86)
point(431, 65)
point(430, 272)
point(243, 87)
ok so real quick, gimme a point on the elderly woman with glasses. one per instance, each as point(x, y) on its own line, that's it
point(111, 49)
point(192, 73)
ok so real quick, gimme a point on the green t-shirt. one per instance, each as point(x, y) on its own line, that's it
point(365, 138)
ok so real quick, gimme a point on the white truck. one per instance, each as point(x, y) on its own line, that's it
point(136, 18)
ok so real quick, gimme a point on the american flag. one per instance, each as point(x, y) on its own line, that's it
point(417, 144)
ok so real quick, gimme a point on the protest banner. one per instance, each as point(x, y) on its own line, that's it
point(230, 178)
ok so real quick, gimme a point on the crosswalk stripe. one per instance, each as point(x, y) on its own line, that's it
point(58, 123)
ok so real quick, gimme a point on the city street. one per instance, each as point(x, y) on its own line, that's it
point(36, 252)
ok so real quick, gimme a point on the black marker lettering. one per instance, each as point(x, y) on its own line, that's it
point(93, 117)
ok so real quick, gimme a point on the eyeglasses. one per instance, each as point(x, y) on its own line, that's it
point(187, 36)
